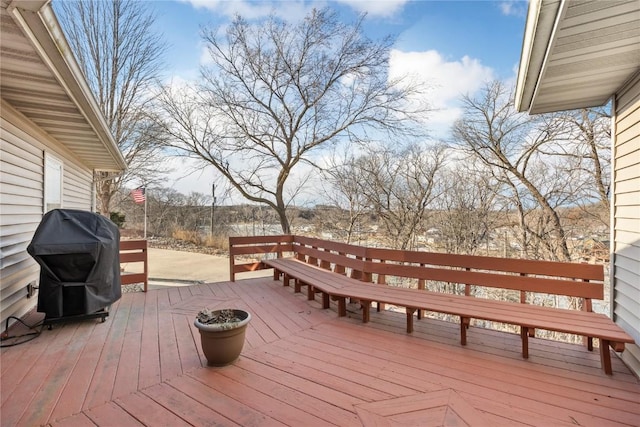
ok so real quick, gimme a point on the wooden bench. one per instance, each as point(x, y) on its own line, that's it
point(134, 251)
point(339, 271)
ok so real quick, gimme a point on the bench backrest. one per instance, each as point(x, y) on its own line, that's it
point(134, 251)
point(550, 277)
point(340, 258)
point(252, 245)
point(527, 276)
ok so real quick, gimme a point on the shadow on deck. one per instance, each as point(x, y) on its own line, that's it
point(301, 365)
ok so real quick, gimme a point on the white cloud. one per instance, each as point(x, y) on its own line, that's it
point(447, 80)
point(291, 10)
point(377, 7)
point(513, 8)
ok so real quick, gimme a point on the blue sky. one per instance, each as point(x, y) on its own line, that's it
point(455, 46)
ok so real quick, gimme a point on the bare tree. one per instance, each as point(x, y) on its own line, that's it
point(468, 210)
point(398, 187)
point(584, 149)
point(511, 145)
point(278, 92)
point(121, 59)
point(343, 192)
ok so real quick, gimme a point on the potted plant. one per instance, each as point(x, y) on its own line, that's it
point(222, 334)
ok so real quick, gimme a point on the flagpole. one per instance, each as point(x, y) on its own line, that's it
point(145, 213)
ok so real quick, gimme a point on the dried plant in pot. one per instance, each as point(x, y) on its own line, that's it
point(222, 334)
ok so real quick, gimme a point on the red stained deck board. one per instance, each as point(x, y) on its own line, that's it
point(149, 412)
point(440, 367)
point(208, 396)
point(110, 414)
point(186, 407)
point(258, 400)
point(315, 361)
point(333, 396)
point(313, 404)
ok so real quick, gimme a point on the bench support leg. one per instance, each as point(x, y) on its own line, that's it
point(325, 300)
point(276, 274)
point(420, 314)
point(464, 325)
point(310, 292)
point(285, 279)
point(524, 334)
point(589, 342)
point(296, 286)
point(410, 312)
point(366, 306)
point(605, 356)
point(342, 306)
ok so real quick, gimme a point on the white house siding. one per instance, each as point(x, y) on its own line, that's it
point(626, 215)
point(22, 148)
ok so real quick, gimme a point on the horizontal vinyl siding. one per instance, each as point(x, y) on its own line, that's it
point(626, 215)
point(22, 148)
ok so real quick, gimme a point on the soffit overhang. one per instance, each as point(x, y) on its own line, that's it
point(577, 53)
point(41, 79)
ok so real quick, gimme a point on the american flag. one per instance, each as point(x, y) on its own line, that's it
point(138, 195)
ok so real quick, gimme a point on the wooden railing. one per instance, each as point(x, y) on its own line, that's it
point(242, 247)
point(580, 280)
point(134, 251)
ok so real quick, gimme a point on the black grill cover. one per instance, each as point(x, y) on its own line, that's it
point(78, 253)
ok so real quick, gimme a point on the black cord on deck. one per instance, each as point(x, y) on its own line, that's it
point(28, 336)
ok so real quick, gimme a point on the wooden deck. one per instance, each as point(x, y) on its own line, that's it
point(301, 366)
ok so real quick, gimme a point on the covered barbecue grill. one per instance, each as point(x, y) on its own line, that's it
point(78, 253)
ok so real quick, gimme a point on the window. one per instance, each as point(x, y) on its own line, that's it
point(52, 183)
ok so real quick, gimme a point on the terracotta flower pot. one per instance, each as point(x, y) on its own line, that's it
point(223, 342)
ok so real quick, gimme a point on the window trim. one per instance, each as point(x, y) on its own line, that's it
point(51, 160)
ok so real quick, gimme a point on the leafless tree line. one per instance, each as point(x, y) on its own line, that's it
point(543, 178)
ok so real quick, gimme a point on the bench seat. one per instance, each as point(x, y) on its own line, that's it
point(528, 317)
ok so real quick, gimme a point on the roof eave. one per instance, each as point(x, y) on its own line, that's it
point(536, 44)
point(38, 21)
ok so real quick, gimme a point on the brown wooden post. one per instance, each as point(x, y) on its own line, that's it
point(366, 305)
point(524, 334)
point(410, 311)
point(605, 356)
point(342, 306)
point(325, 300)
point(587, 305)
point(464, 325)
point(422, 285)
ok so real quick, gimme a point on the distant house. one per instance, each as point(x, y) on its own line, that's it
point(579, 54)
point(53, 140)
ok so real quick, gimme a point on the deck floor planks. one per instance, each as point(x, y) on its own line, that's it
point(78, 420)
point(19, 360)
point(128, 371)
point(258, 400)
point(384, 372)
point(314, 405)
point(557, 386)
point(208, 396)
point(319, 358)
point(460, 377)
point(282, 360)
point(149, 371)
point(104, 377)
point(148, 411)
point(569, 372)
point(74, 394)
point(111, 414)
point(43, 402)
point(274, 316)
point(185, 407)
point(44, 365)
point(330, 395)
